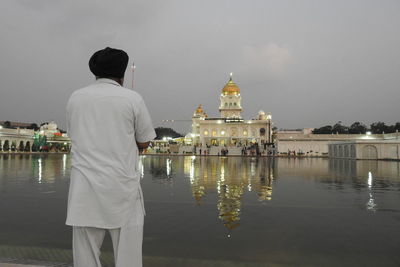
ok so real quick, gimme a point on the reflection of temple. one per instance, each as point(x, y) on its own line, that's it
point(266, 178)
point(230, 178)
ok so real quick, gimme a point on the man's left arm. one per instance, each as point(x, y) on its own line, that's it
point(144, 130)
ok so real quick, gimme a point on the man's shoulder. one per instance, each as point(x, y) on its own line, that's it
point(106, 90)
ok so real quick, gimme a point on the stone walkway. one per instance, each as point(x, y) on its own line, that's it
point(17, 265)
point(19, 256)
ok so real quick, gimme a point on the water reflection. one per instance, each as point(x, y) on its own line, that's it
point(39, 168)
point(227, 177)
point(231, 178)
point(195, 200)
point(371, 206)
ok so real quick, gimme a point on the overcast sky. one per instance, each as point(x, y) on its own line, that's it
point(308, 63)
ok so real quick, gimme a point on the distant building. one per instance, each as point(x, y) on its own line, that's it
point(14, 125)
point(17, 137)
point(304, 142)
point(366, 149)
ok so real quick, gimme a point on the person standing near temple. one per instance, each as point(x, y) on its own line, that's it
point(108, 126)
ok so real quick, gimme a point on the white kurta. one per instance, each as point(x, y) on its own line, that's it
point(104, 121)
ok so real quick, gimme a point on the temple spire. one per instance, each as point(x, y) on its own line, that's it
point(230, 76)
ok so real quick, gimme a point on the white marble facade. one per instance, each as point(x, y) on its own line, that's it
point(229, 129)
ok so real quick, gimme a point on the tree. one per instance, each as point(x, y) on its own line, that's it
point(397, 126)
point(379, 128)
point(339, 128)
point(323, 130)
point(7, 124)
point(358, 128)
point(166, 132)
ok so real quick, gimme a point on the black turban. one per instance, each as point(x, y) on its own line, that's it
point(109, 63)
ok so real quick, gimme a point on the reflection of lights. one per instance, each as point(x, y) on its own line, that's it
point(191, 169)
point(252, 168)
point(64, 165)
point(40, 170)
point(168, 167)
point(221, 179)
point(371, 202)
point(249, 187)
point(141, 166)
point(369, 180)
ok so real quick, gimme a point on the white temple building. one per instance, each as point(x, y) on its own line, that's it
point(229, 129)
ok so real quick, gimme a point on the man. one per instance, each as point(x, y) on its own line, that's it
point(108, 125)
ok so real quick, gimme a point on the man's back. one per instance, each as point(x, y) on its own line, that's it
point(104, 122)
point(107, 124)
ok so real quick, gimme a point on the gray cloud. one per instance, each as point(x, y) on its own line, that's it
point(307, 62)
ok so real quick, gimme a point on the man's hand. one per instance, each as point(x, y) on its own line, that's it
point(142, 146)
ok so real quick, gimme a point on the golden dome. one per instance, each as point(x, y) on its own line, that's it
point(231, 88)
point(199, 110)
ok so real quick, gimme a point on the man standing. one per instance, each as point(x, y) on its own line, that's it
point(108, 125)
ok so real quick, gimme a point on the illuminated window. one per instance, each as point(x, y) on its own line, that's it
point(244, 132)
point(223, 132)
point(205, 132)
point(214, 133)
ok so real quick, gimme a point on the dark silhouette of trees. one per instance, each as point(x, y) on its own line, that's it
point(323, 130)
point(358, 128)
point(339, 128)
point(166, 132)
point(7, 124)
point(380, 127)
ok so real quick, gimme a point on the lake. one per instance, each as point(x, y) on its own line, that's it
point(220, 211)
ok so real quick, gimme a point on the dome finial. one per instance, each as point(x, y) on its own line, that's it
point(230, 76)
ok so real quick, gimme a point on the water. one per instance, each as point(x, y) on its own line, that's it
point(233, 211)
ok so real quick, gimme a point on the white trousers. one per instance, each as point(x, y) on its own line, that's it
point(127, 243)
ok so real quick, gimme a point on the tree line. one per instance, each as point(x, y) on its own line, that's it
point(166, 132)
point(358, 128)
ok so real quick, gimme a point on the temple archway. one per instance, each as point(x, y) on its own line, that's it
point(28, 146)
point(6, 146)
point(21, 146)
point(370, 152)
